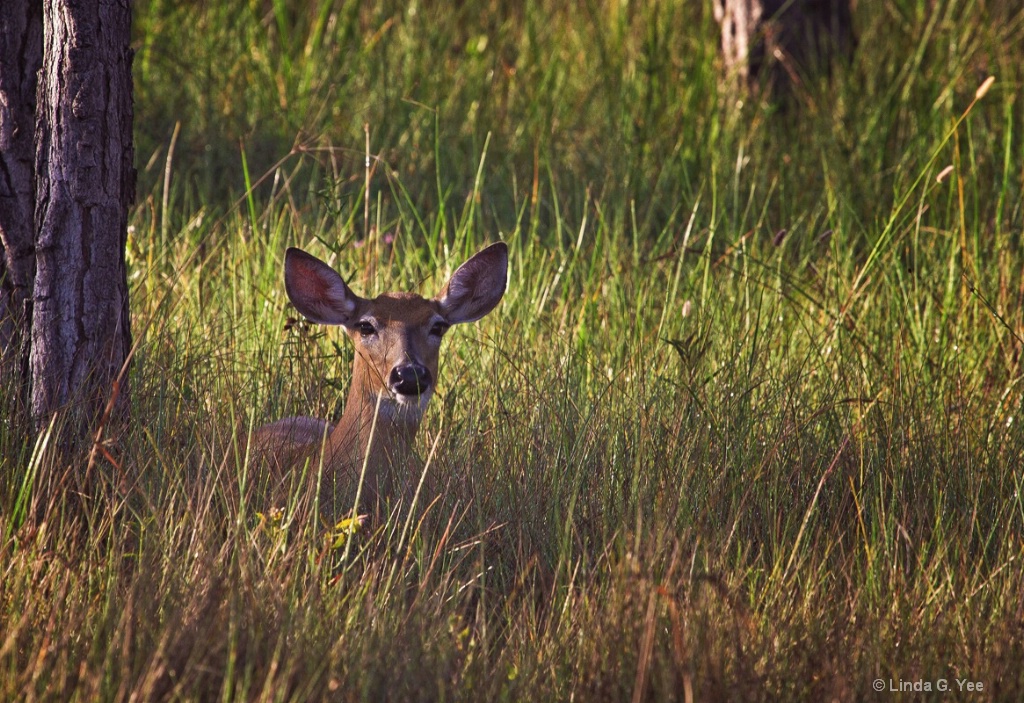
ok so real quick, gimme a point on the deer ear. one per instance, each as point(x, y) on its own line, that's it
point(477, 286)
point(317, 291)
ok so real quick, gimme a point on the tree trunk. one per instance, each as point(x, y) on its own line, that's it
point(85, 181)
point(777, 44)
point(21, 55)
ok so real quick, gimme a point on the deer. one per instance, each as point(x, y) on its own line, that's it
point(397, 339)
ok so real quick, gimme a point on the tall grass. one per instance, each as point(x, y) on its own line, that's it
point(745, 426)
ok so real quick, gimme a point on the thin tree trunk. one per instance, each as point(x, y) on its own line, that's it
point(779, 43)
point(85, 181)
point(21, 55)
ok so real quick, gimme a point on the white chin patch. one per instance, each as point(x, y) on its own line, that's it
point(405, 407)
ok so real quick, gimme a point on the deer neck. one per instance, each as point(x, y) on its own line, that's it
point(360, 436)
point(384, 446)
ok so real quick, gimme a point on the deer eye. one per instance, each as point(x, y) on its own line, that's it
point(439, 328)
point(366, 328)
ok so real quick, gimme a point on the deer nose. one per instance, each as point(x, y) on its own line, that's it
point(409, 379)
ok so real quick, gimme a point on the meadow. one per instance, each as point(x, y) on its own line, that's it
point(746, 425)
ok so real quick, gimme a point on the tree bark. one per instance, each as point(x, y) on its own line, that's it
point(21, 55)
point(778, 43)
point(85, 182)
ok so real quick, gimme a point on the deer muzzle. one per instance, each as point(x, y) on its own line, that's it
point(410, 380)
